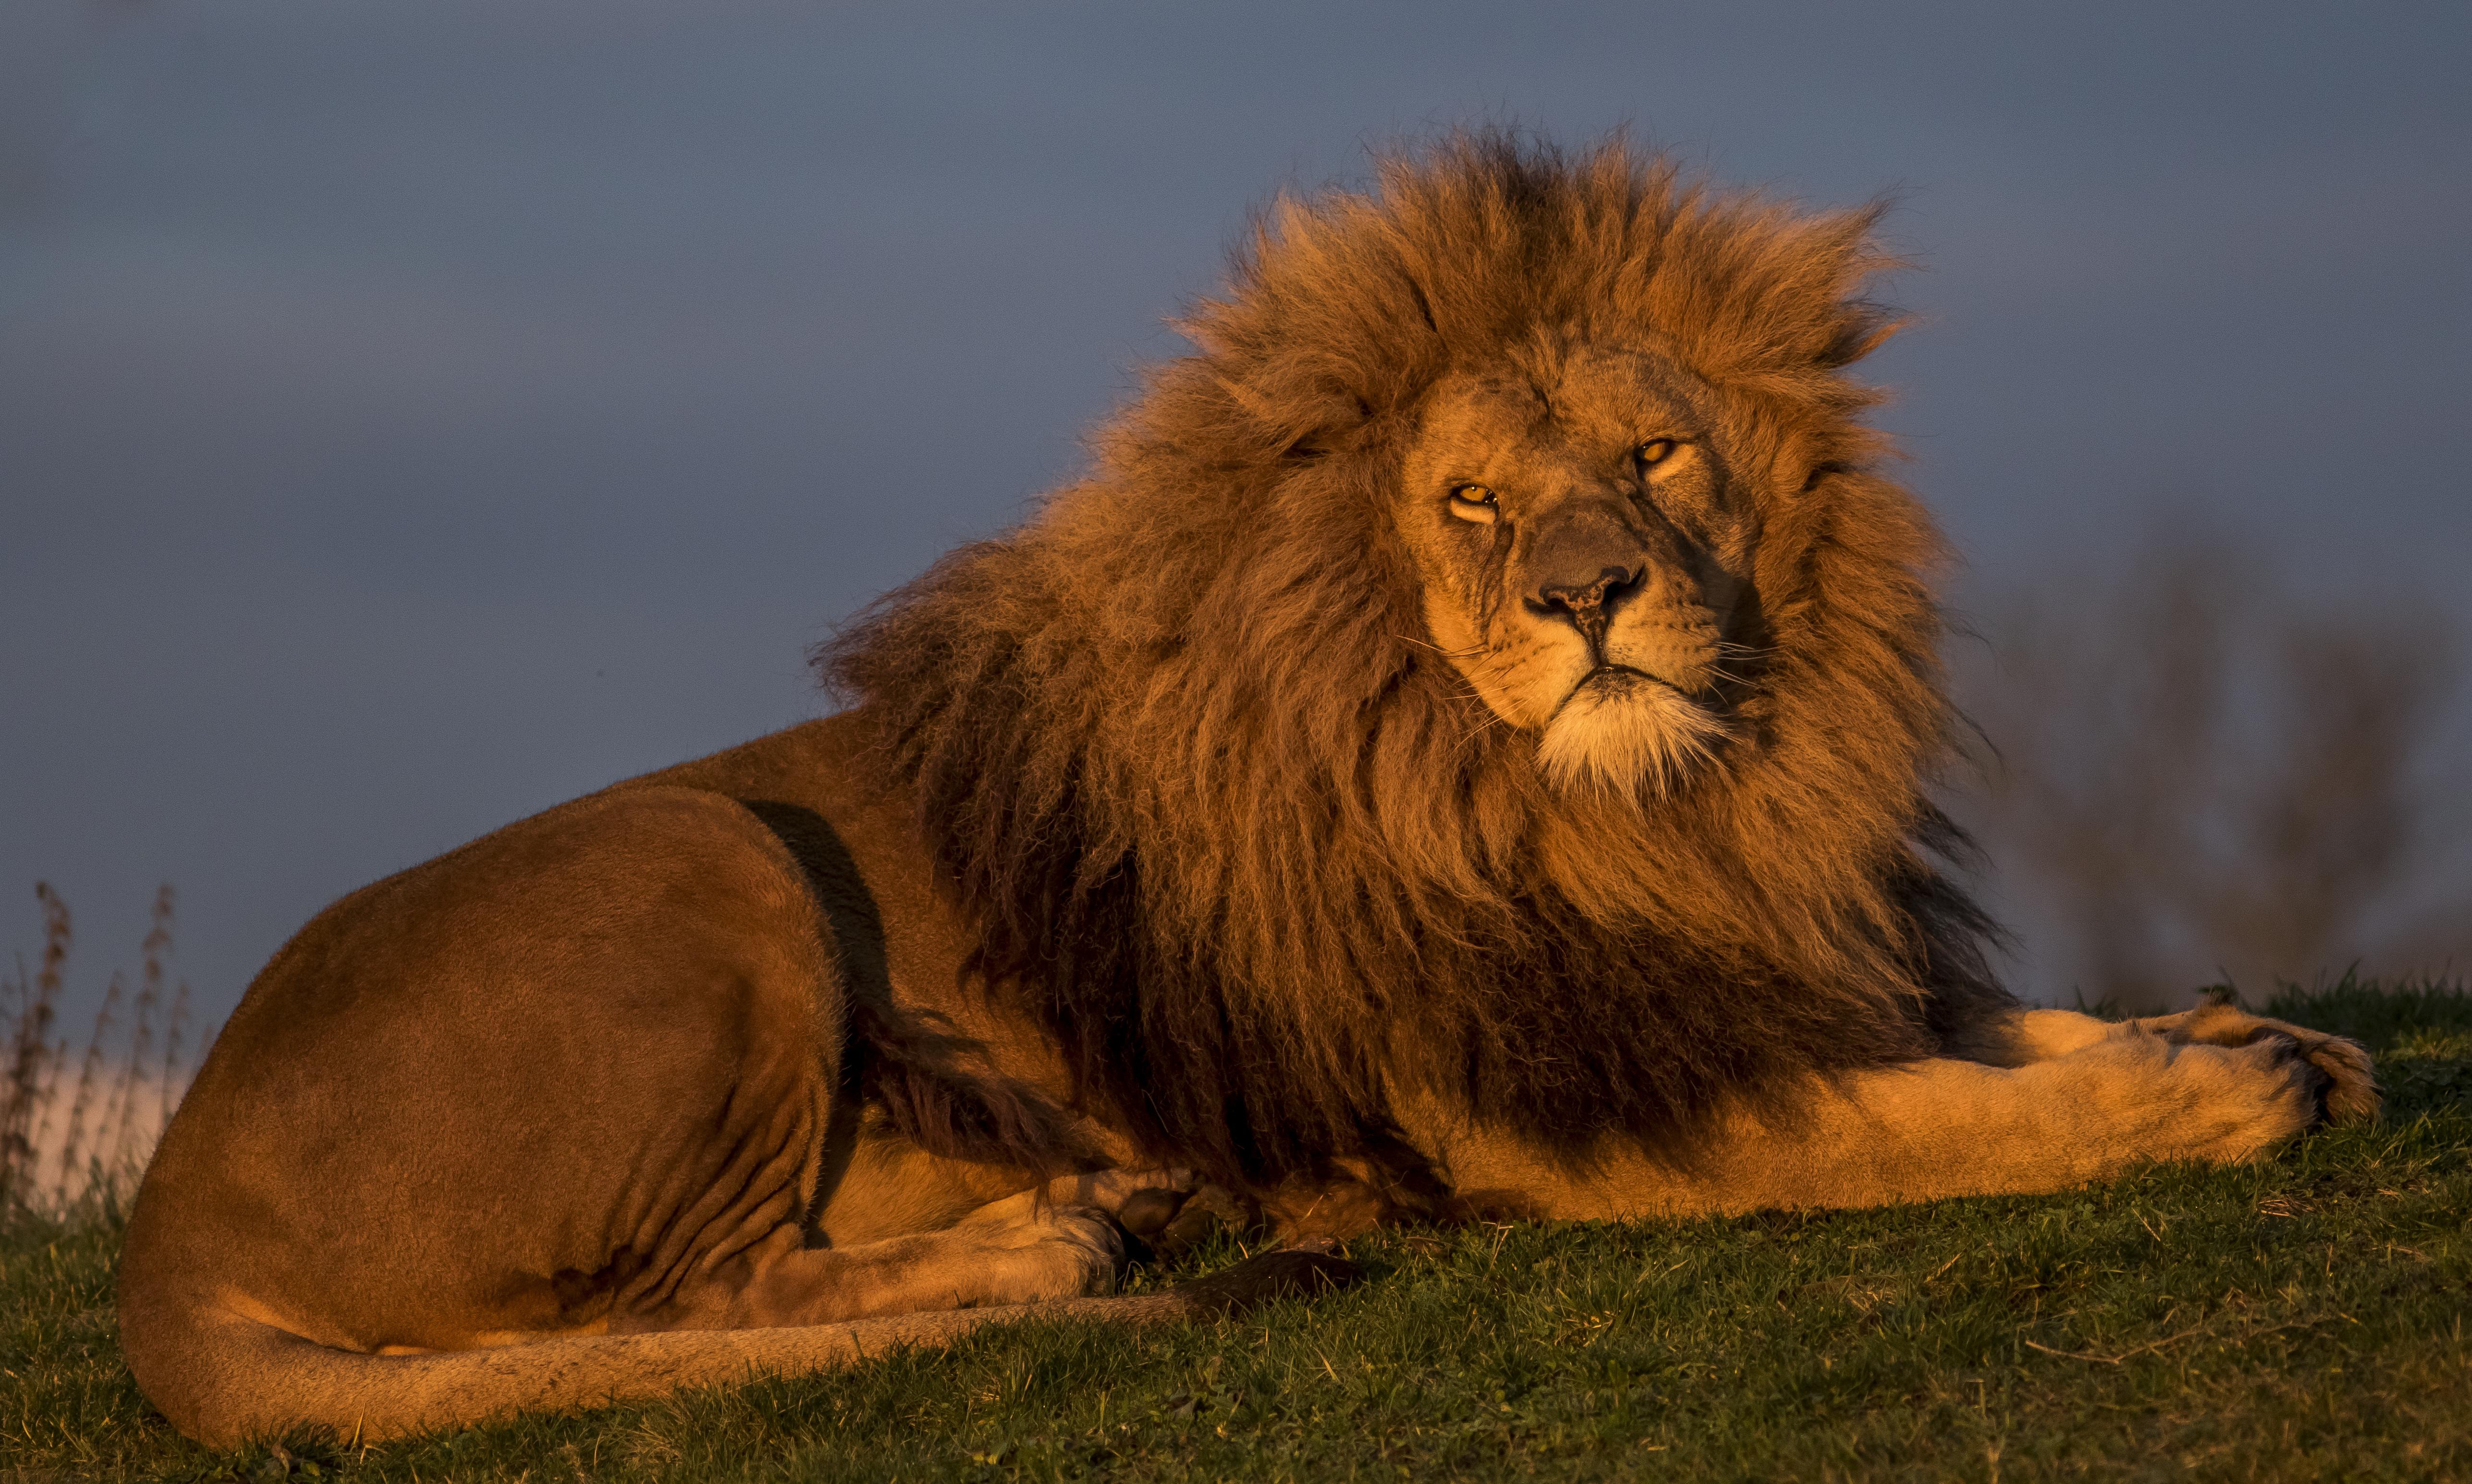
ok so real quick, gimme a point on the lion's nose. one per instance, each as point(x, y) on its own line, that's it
point(1588, 605)
point(1601, 590)
point(1584, 558)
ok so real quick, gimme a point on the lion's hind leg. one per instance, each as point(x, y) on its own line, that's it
point(280, 1383)
point(1060, 1240)
point(1054, 1252)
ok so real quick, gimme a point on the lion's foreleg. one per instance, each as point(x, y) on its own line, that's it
point(1930, 1129)
point(2351, 1092)
point(2028, 1036)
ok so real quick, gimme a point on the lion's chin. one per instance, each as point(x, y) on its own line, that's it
point(1625, 731)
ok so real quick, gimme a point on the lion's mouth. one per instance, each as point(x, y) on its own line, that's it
point(1620, 682)
point(1617, 674)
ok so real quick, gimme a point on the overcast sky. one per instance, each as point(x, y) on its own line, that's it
point(413, 415)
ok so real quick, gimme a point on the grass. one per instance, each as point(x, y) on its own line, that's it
point(2301, 1319)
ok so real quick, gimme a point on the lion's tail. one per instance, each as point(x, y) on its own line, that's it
point(225, 1378)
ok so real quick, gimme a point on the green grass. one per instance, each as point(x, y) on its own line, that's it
point(2301, 1319)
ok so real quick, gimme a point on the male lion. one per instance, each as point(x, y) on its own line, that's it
point(1460, 748)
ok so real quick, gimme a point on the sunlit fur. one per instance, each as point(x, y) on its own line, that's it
point(1619, 736)
point(1634, 697)
point(1243, 838)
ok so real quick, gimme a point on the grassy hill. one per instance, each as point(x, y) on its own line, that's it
point(2297, 1320)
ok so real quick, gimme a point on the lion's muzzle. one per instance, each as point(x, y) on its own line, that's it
point(1584, 561)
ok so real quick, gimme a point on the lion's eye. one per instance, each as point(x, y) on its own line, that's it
point(1474, 503)
point(1655, 451)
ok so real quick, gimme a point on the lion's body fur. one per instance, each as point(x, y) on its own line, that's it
point(1162, 833)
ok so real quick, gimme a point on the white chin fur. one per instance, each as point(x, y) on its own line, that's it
point(1625, 733)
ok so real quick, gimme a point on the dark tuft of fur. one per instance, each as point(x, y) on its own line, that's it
point(930, 1086)
point(1248, 848)
point(931, 1096)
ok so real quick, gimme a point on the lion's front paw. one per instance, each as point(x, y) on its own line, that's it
point(2138, 1096)
point(2348, 1089)
point(2248, 1099)
point(1064, 1252)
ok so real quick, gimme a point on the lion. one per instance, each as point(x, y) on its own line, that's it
point(1463, 748)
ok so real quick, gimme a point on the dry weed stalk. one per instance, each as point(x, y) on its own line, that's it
point(89, 1073)
point(119, 1124)
point(34, 1003)
point(87, 1161)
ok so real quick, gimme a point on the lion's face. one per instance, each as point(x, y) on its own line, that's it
point(1586, 560)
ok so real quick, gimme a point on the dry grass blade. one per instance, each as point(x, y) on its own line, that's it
point(2151, 1346)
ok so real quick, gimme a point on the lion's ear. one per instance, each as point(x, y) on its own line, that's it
point(1324, 326)
point(1848, 241)
point(1296, 408)
point(1755, 289)
point(1863, 327)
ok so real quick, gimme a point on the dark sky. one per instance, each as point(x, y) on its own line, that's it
point(413, 415)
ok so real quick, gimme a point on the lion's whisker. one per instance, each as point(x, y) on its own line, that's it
point(1486, 725)
point(1457, 654)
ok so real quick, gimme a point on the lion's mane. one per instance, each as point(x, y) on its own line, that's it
point(1253, 851)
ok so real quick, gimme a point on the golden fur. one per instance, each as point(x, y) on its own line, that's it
point(1229, 821)
point(1463, 748)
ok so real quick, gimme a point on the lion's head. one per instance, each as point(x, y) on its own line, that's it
point(1584, 558)
point(1491, 664)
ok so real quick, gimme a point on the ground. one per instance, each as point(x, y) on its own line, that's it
point(2301, 1319)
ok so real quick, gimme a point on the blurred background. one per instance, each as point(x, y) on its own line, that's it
point(412, 416)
